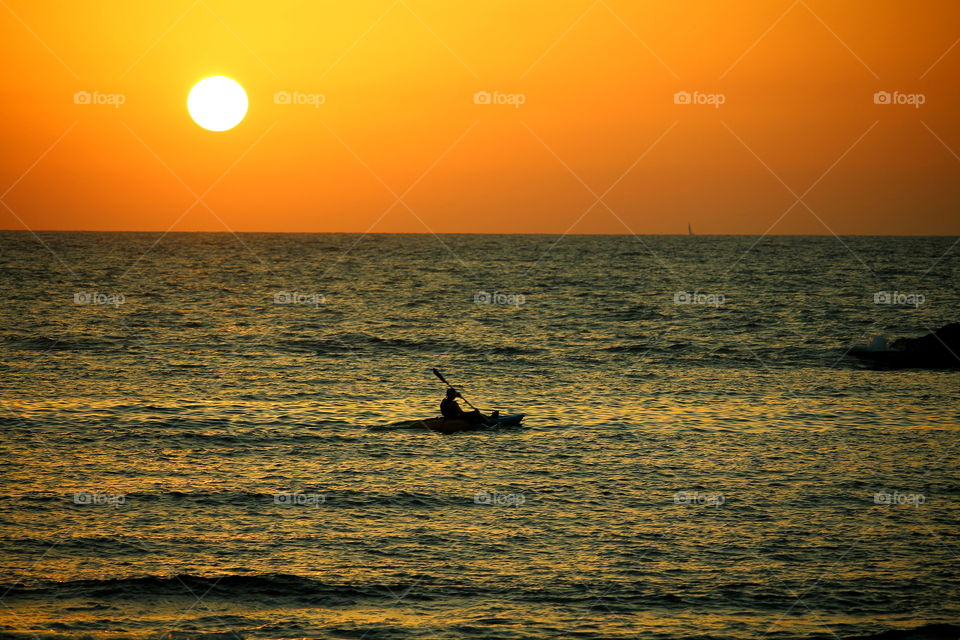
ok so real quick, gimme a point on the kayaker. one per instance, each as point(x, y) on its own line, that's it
point(451, 409)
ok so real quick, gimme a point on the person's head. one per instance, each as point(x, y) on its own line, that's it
point(452, 393)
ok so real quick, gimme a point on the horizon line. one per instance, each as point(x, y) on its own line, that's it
point(501, 233)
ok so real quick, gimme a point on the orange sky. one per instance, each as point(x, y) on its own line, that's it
point(399, 119)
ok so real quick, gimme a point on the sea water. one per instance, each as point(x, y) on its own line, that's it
point(186, 450)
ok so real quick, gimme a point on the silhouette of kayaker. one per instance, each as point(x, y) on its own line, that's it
point(450, 409)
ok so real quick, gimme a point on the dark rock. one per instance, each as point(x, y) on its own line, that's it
point(937, 350)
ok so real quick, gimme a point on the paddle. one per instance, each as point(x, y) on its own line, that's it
point(444, 381)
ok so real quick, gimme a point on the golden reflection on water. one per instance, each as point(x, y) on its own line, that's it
point(664, 480)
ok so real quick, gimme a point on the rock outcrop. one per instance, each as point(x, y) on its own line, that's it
point(937, 350)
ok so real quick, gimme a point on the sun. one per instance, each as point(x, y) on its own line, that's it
point(217, 103)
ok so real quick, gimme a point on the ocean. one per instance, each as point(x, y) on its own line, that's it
point(188, 452)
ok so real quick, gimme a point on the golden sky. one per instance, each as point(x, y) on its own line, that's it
point(598, 145)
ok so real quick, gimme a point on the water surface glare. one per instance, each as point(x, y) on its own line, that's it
point(187, 451)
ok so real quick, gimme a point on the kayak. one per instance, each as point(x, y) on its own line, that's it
point(445, 426)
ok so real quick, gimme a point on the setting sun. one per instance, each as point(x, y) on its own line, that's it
point(217, 103)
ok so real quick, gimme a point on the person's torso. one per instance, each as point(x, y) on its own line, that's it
point(450, 409)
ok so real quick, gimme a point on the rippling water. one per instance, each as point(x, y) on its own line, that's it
point(700, 457)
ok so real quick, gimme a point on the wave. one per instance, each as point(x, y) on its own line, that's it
point(43, 343)
point(319, 346)
point(646, 347)
point(281, 590)
point(230, 435)
point(325, 499)
point(351, 342)
point(290, 589)
point(926, 632)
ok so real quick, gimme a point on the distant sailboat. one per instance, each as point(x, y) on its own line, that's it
point(689, 229)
